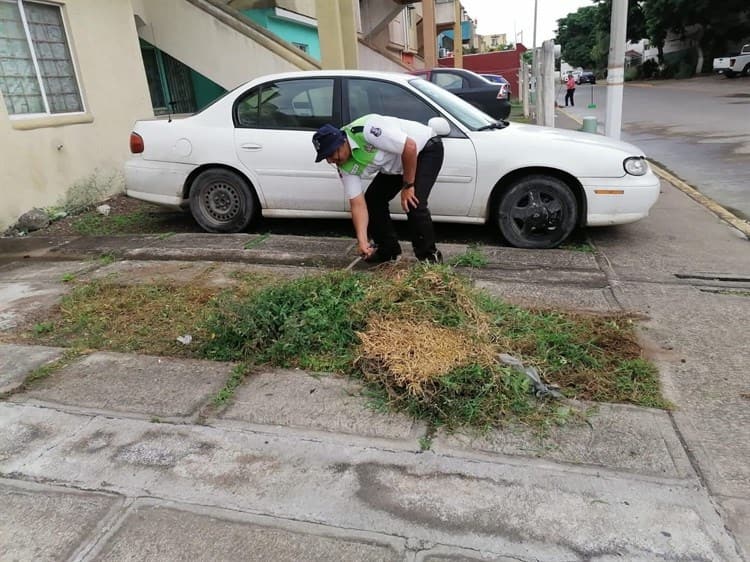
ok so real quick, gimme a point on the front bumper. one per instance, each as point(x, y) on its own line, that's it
point(620, 200)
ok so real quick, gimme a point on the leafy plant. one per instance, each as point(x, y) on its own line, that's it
point(472, 257)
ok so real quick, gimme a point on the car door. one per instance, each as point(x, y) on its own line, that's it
point(454, 190)
point(274, 124)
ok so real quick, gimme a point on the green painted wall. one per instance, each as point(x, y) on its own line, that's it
point(289, 31)
point(205, 90)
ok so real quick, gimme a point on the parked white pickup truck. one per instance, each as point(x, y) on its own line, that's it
point(734, 65)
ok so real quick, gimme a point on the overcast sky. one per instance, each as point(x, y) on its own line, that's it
point(505, 16)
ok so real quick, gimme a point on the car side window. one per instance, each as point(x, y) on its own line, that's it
point(375, 96)
point(448, 81)
point(287, 104)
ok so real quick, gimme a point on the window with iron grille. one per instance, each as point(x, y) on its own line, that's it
point(37, 75)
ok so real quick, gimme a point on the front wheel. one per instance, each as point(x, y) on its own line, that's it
point(537, 212)
point(221, 201)
point(746, 70)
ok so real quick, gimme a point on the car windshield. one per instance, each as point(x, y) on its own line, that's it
point(464, 112)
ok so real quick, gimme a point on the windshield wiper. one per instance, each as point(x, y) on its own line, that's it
point(499, 124)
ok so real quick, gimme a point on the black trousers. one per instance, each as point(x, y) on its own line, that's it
point(386, 186)
point(569, 96)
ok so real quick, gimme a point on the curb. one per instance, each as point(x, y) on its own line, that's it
point(727, 216)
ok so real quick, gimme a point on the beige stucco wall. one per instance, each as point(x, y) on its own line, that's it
point(41, 159)
point(216, 44)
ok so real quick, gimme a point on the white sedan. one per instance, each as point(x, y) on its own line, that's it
point(250, 153)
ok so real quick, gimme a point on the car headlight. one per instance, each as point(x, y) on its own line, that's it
point(635, 165)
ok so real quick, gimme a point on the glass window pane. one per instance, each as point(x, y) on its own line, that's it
point(51, 47)
point(18, 81)
point(373, 96)
point(296, 104)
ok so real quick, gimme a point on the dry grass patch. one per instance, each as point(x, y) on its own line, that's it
point(422, 339)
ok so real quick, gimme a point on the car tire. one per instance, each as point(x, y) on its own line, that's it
point(537, 212)
point(746, 70)
point(221, 201)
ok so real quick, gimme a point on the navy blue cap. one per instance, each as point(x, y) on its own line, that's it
point(326, 140)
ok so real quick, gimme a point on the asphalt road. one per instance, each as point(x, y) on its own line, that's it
point(699, 129)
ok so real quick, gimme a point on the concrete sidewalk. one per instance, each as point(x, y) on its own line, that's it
point(131, 449)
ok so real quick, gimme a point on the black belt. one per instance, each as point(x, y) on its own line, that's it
point(432, 141)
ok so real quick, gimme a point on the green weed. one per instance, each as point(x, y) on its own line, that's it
point(472, 257)
point(107, 258)
point(95, 224)
point(255, 242)
point(43, 328)
point(236, 377)
point(48, 369)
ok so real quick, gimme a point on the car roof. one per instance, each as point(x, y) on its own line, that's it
point(393, 76)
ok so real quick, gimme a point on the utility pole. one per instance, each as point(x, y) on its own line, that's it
point(616, 68)
point(458, 37)
point(428, 33)
point(535, 64)
point(546, 100)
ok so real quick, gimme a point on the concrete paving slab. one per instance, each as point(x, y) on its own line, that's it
point(139, 384)
point(156, 532)
point(551, 296)
point(30, 246)
point(529, 509)
point(737, 514)
point(704, 373)
point(98, 245)
point(24, 301)
point(43, 271)
point(27, 432)
point(575, 278)
point(325, 403)
point(697, 242)
point(17, 361)
point(207, 273)
point(209, 241)
point(281, 249)
point(618, 437)
point(28, 290)
point(443, 554)
point(42, 523)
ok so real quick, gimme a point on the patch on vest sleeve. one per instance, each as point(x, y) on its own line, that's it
point(375, 131)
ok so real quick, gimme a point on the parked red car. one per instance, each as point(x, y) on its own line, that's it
point(490, 97)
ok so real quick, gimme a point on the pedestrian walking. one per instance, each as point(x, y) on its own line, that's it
point(570, 86)
point(407, 157)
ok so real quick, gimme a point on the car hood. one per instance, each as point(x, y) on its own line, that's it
point(581, 154)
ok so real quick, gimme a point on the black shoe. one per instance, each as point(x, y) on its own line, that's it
point(381, 256)
point(435, 257)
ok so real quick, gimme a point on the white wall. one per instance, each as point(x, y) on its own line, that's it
point(42, 158)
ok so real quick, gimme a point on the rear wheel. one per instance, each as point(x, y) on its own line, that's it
point(221, 201)
point(537, 212)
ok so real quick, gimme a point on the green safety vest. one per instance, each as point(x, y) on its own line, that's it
point(364, 154)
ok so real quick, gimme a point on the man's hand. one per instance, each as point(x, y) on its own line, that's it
point(408, 199)
point(366, 249)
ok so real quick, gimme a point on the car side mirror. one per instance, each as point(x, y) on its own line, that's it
point(440, 125)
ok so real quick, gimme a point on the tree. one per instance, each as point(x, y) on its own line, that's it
point(576, 35)
point(716, 26)
point(584, 35)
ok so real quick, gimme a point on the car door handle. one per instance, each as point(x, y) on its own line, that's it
point(250, 146)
